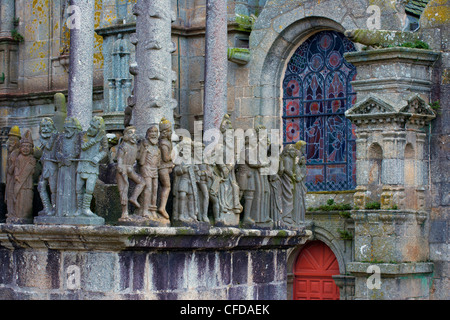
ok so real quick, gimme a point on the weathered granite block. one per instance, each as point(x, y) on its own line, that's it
point(396, 281)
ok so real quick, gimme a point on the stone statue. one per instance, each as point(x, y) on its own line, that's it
point(94, 148)
point(13, 152)
point(228, 189)
point(293, 175)
point(23, 183)
point(166, 166)
point(275, 203)
point(204, 178)
point(127, 153)
point(185, 191)
point(287, 175)
point(48, 179)
point(150, 160)
point(254, 183)
point(246, 175)
point(60, 111)
point(68, 148)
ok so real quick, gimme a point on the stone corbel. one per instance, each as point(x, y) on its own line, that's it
point(239, 56)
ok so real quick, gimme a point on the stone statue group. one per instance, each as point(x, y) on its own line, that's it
point(235, 194)
point(70, 163)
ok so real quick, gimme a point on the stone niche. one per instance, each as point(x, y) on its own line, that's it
point(69, 262)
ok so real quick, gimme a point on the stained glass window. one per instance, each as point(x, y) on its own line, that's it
point(316, 93)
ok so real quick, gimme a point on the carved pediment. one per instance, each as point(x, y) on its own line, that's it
point(370, 106)
point(418, 106)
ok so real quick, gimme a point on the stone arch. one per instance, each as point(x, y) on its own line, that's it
point(280, 29)
point(269, 73)
point(326, 237)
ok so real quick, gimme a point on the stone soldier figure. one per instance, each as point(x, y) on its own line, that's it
point(185, 192)
point(126, 158)
point(68, 148)
point(23, 183)
point(246, 175)
point(13, 152)
point(166, 166)
point(94, 148)
point(150, 160)
point(46, 149)
point(203, 178)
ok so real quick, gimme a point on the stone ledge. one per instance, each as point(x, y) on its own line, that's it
point(392, 269)
point(113, 238)
point(418, 56)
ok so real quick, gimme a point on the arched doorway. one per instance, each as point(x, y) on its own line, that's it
point(315, 265)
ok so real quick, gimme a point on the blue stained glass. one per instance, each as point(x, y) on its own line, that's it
point(316, 93)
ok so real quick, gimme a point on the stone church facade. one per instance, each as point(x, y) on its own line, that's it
point(333, 73)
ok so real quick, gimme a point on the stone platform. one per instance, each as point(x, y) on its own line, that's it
point(107, 262)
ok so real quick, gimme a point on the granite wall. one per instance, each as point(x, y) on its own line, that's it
point(67, 262)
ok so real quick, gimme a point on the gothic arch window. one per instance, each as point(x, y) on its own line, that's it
point(316, 93)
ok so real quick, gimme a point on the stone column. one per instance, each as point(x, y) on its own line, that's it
point(81, 66)
point(153, 69)
point(216, 63)
point(7, 16)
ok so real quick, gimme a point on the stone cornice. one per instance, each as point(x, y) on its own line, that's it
point(416, 56)
point(112, 238)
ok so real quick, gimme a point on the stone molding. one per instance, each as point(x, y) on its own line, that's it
point(112, 238)
point(392, 269)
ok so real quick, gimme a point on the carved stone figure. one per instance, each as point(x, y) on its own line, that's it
point(166, 166)
point(288, 157)
point(13, 152)
point(293, 183)
point(253, 181)
point(94, 148)
point(48, 179)
point(228, 189)
point(150, 160)
point(185, 191)
point(127, 154)
point(204, 179)
point(23, 183)
point(60, 111)
point(300, 186)
point(246, 176)
point(68, 148)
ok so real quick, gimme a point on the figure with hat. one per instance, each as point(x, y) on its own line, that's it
point(13, 151)
point(25, 165)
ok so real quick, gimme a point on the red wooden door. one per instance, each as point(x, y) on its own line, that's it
point(315, 265)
